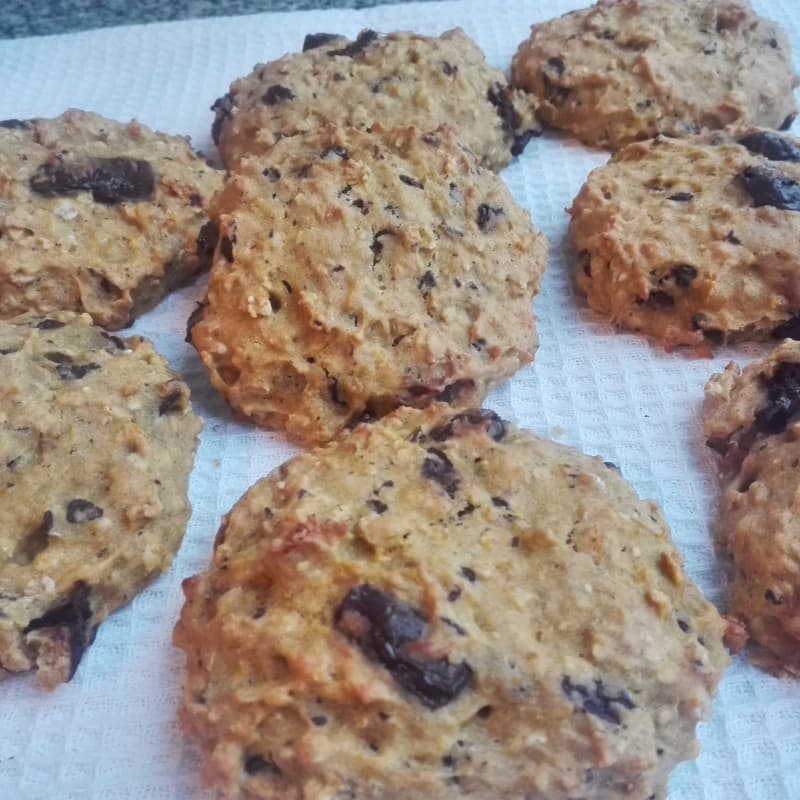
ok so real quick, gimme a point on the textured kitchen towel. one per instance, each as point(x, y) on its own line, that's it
point(111, 733)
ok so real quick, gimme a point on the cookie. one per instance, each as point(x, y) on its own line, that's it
point(632, 69)
point(97, 216)
point(693, 240)
point(440, 605)
point(357, 271)
point(752, 418)
point(397, 79)
point(97, 438)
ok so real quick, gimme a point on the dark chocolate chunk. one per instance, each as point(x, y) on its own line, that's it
point(499, 502)
point(683, 275)
point(681, 197)
point(19, 124)
point(385, 628)
point(80, 510)
point(49, 325)
point(438, 467)
point(271, 173)
point(255, 765)
point(556, 64)
point(484, 712)
point(409, 181)
point(119, 344)
point(74, 372)
point(448, 68)
point(684, 626)
point(790, 329)
point(768, 187)
point(771, 145)
point(226, 248)
point(454, 594)
point(377, 506)
point(377, 245)
point(319, 720)
point(463, 512)
point(469, 574)
point(788, 122)
point(174, 401)
point(520, 141)
point(195, 317)
point(494, 426)
point(195, 199)
point(315, 40)
point(75, 616)
point(596, 699)
point(783, 399)
point(207, 238)
point(488, 216)
point(222, 108)
point(334, 153)
point(732, 238)
point(115, 180)
point(46, 525)
point(498, 96)
point(362, 42)
point(426, 282)
point(773, 597)
point(277, 94)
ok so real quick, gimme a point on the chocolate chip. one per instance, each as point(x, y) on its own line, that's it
point(596, 700)
point(790, 329)
point(463, 512)
point(659, 300)
point(271, 173)
point(481, 418)
point(12, 124)
point(195, 199)
point(174, 401)
point(454, 594)
point(500, 502)
point(361, 204)
point(74, 372)
point(115, 180)
point(768, 187)
point(277, 94)
point(773, 598)
point(319, 720)
point(49, 325)
point(46, 525)
point(426, 282)
point(256, 765)
point(684, 626)
point(488, 217)
point(362, 42)
point(195, 317)
point(226, 248)
point(499, 96)
point(485, 712)
point(315, 40)
point(732, 238)
point(409, 181)
point(377, 506)
point(334, 153)
point(683, 275)
point(377, 245)
point(222, 108)
point(207, 238)
point(79, 511)
point(783, 399)
point(383, 628)
point(556, 64)
point(520, 141)
point(469, 574)
point(681, 197)
point(119, 344)
point(438, 467)
point(771, 146)
point(448, 68)
point(75, 616)
point(788, 122)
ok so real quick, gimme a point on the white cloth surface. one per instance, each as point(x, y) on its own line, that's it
point(111, 734)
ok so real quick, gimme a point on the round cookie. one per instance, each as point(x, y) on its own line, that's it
point(439, 605)
point(97, 438)
point(357, 271)
point(631, 69)
point(693, 240)
point(752, 418)
point(97, 216)
point(397, 79)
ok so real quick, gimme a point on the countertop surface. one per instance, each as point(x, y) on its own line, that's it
point(43, 17)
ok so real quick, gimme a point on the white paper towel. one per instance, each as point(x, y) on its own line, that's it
point(111, 733)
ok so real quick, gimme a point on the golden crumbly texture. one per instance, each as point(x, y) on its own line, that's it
point(684, 239)
point(62, 249)
point(97, 438)
point(541, 578)
point(628, 70)
point(359, 271)
point(398, 79)
point(750, 417)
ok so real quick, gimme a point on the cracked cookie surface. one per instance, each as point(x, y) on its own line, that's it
point(631, 69)
point(357, 271)
point(440, 605)
point(97, 438)
point(97, 216)
point(397, 79)
point(752, 418)
point(692, 240)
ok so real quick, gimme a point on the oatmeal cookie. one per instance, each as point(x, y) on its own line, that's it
point(752, 418)
point(631, 69)
point(440, 605)
point(97, 216)
point(694, 240)
point(97, 438)
point(357, 271)
point(397, 79)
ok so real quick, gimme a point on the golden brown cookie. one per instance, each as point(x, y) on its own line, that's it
point(397, 79)
point(357, 271)
point(694, 240)
point(631, 69)
point(439, 605)
point(97, 216)
point(752, 418)
point(97, 438)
